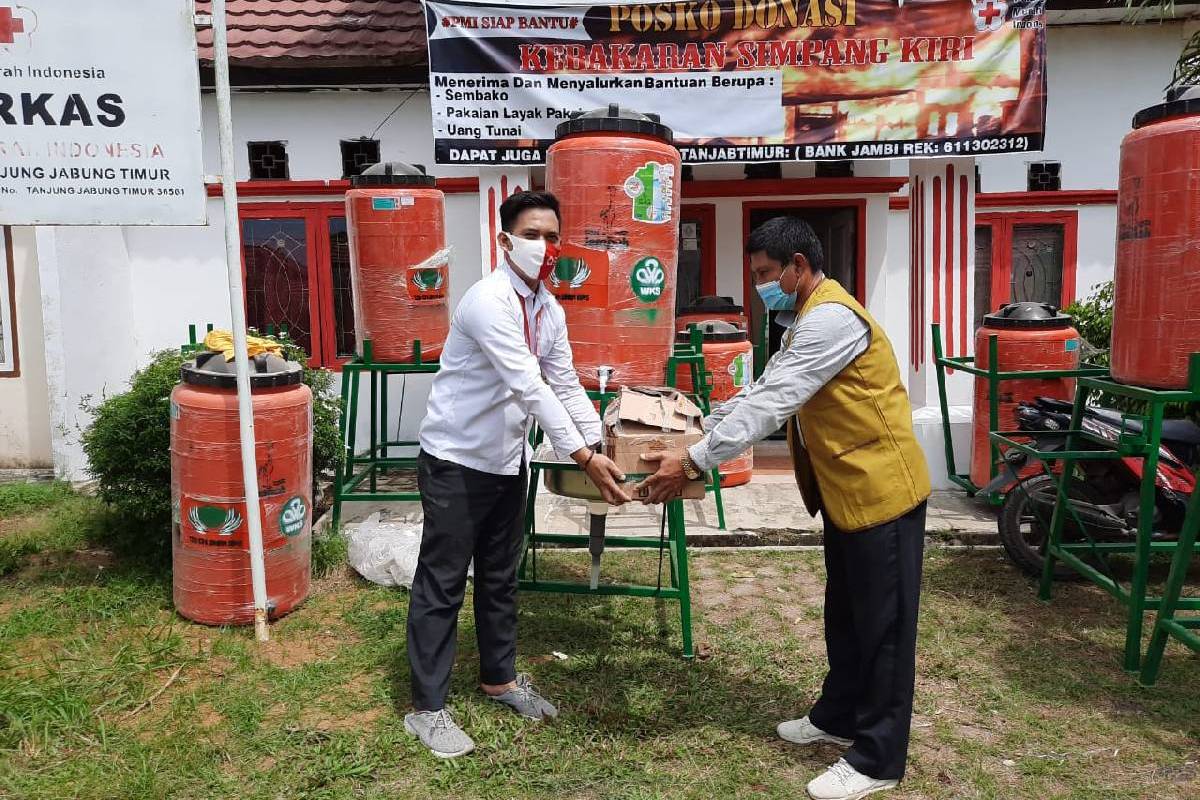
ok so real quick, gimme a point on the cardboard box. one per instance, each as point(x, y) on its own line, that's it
point(650, 419)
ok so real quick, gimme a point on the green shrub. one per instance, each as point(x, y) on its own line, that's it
point(1094, 321)
point(128, 445)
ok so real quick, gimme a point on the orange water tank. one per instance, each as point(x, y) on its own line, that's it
point(616, 174)
point(1156, 303)
point(729, 356)
point(712, 307)
point(399, 262)
point(210, 536)
point(1029, 336)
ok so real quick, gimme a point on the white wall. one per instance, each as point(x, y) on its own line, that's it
point(24, 416)
point(1098, 77)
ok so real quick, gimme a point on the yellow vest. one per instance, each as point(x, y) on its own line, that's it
point(859, 462)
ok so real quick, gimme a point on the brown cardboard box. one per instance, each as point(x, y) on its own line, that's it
point(650, 420)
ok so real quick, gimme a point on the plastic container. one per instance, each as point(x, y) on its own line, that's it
point(1156, 309)
point(210, 535)
point(399, 262)
point(617, 175)
point(729, 356)
point(712, 307)
point(1029, 336)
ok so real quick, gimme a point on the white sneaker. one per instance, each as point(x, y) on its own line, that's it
point(802, 731)
point(844, 782)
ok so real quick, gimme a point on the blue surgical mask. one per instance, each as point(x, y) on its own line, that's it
point(775, 298)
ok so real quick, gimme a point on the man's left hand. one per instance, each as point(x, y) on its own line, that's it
point(668, 482)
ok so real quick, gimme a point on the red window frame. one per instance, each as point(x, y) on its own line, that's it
point(1002, 224)
point(706, 215)
point(320, 273)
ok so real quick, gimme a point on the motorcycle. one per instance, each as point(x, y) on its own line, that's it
point(1104, 494)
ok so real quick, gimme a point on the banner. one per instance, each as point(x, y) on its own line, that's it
point(744, 80)
point(99, 114)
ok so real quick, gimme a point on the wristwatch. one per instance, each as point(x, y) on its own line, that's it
point(690, 470)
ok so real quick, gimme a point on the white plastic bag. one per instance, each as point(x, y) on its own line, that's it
point(385, 552)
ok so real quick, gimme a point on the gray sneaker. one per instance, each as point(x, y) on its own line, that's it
point(525, 700)
point(438, 731)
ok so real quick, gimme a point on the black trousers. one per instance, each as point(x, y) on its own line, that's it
point(872, 594)
point(468, 514)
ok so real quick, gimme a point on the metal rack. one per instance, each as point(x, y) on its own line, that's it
point(357, 480)
point(994, 378)
point(1143, 444)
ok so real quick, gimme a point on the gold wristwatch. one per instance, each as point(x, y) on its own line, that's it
point(690, 470)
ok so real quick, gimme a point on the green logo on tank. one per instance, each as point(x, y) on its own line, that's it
point(293, 516)
point(571, 271)
point(224, 521)
point(428, 280)
point(647, 279)
point(652, 189)
point(739, 369)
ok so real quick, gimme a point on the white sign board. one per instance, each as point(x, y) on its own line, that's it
point(99, 113)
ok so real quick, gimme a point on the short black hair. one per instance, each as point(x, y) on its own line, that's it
point(782, 237)
point(520, 202)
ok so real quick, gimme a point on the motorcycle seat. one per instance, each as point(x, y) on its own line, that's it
point(1183, 431)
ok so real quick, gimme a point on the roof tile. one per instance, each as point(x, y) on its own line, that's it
point(295, 33)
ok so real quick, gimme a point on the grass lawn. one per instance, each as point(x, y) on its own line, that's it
point(106, 693)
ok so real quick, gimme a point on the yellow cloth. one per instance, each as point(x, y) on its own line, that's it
point(860, 460)
point(222, 342)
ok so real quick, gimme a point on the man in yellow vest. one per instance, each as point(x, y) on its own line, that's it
point(836, 385)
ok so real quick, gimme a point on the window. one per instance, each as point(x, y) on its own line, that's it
point(296, 265)
point(1024, 256)
point(9, 360)
point(357, 155)
point(1044, 176)
point(770, 171)
point(268, 161)
point(697, 270)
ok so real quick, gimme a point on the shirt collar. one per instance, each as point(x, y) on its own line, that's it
point(523, 290)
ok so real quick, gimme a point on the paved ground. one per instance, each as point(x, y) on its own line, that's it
point(767, 511)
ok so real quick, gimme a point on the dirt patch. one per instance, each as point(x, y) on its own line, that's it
point(291, 653)
point(92, 560)
point(323, 720)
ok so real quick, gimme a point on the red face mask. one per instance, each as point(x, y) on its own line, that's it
point(549, 262)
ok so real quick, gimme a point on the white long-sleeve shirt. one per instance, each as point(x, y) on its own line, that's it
point(818, 346)
point(491, 382)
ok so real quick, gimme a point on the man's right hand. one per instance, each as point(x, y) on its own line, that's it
point(606, 475)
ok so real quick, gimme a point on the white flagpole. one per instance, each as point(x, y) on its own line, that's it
point(233, 259)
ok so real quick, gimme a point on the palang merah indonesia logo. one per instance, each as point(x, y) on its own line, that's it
point(648, 279)
point(17, 24)
point(989, 14)
point(209, 519)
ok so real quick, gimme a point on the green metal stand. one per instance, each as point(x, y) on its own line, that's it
point(1145, 446)
point(358, 478)
point(994, 378)
point(691, 355)
point(1168, 623)
point(673, 546)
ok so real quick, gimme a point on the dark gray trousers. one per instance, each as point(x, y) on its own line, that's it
point(468, 514)
point(872, 594)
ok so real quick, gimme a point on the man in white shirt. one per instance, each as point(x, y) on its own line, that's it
point(506, 359)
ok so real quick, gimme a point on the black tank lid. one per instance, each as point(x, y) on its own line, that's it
point(714, 330)
point(712, 304)
point(1027, 316)
point(393, 173)
point(266, 371)
point(1181, 101)
point(614, 119)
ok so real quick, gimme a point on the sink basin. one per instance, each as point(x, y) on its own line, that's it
point(571, 483)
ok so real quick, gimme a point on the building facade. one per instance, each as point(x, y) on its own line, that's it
point(317, 95)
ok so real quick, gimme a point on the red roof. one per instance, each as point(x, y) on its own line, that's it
point(320, 33)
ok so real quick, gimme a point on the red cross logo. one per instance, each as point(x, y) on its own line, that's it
point(9, 25)
point(989, 14)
